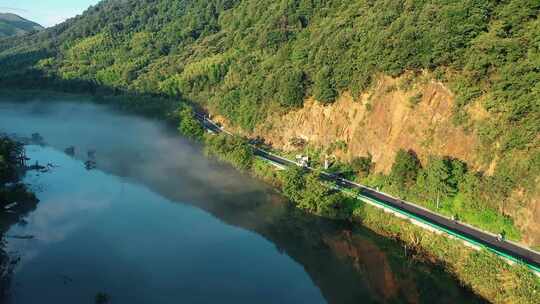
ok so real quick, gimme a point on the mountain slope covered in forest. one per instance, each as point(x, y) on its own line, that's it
point(12, 25)
point(252, 60)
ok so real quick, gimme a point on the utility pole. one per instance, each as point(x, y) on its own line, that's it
point(326, 165)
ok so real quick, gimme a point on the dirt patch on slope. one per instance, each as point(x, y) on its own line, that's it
point(379, 123)
point(528, 214)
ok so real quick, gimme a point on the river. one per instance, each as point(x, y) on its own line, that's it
point(152, 220)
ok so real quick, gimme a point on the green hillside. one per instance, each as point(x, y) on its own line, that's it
point(247, 58)
point(13, 25)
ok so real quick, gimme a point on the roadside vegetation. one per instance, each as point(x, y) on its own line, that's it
point(187, 123)
point(443, 184)
point(304, 189)
point(487, 274)
point(233, 149)
point(449, 187)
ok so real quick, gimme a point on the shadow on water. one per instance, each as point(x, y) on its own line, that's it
point(347, 262)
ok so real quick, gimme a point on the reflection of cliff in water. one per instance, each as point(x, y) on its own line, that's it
point(349, 263)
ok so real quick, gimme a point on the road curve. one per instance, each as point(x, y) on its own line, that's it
point(506, 249)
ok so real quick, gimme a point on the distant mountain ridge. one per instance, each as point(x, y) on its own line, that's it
point(14, 25)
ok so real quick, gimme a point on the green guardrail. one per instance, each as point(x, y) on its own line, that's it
point(441, 228)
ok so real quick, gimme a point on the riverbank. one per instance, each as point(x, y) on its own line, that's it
point(485, 273)
point(16, 200)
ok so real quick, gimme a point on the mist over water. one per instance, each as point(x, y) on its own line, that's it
point(125, 145)
point(158, 222)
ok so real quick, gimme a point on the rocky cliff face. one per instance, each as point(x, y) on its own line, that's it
point(379, 123)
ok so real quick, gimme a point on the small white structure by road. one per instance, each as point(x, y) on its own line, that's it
point(303, 161)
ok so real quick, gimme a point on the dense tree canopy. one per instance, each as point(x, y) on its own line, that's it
point(240, 56)
point(188, 124)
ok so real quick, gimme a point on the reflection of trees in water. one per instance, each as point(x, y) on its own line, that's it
point(7, 262)
point(15, 200)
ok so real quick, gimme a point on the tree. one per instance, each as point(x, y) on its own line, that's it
point(458, 174)
point(291, 87)
point(324, 88)
point(404, 170)
point(436, 179)
point(308, 192)
point(314, 193)
point(232, 148)
point(293, 183)
point(362, 165)
point(471, 187)
point(240, 152)
point(189, 125)
point(334, 206)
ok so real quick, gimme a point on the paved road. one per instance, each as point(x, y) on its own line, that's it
point(505, 248)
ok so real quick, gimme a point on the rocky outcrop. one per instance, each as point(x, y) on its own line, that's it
point(379, 123)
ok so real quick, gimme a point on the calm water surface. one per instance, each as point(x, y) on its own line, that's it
point(157, 222)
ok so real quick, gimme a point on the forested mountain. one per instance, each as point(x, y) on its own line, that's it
point(12, 25)
point(248, 59)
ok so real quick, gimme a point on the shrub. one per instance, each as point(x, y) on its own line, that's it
point(291, 88)
point(362, 165)
point(415, 99)
point(404, 170)
point(231, 148)
point(324, 88)
point(188, 124)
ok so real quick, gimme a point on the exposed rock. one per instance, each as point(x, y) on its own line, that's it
point(379, 124)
